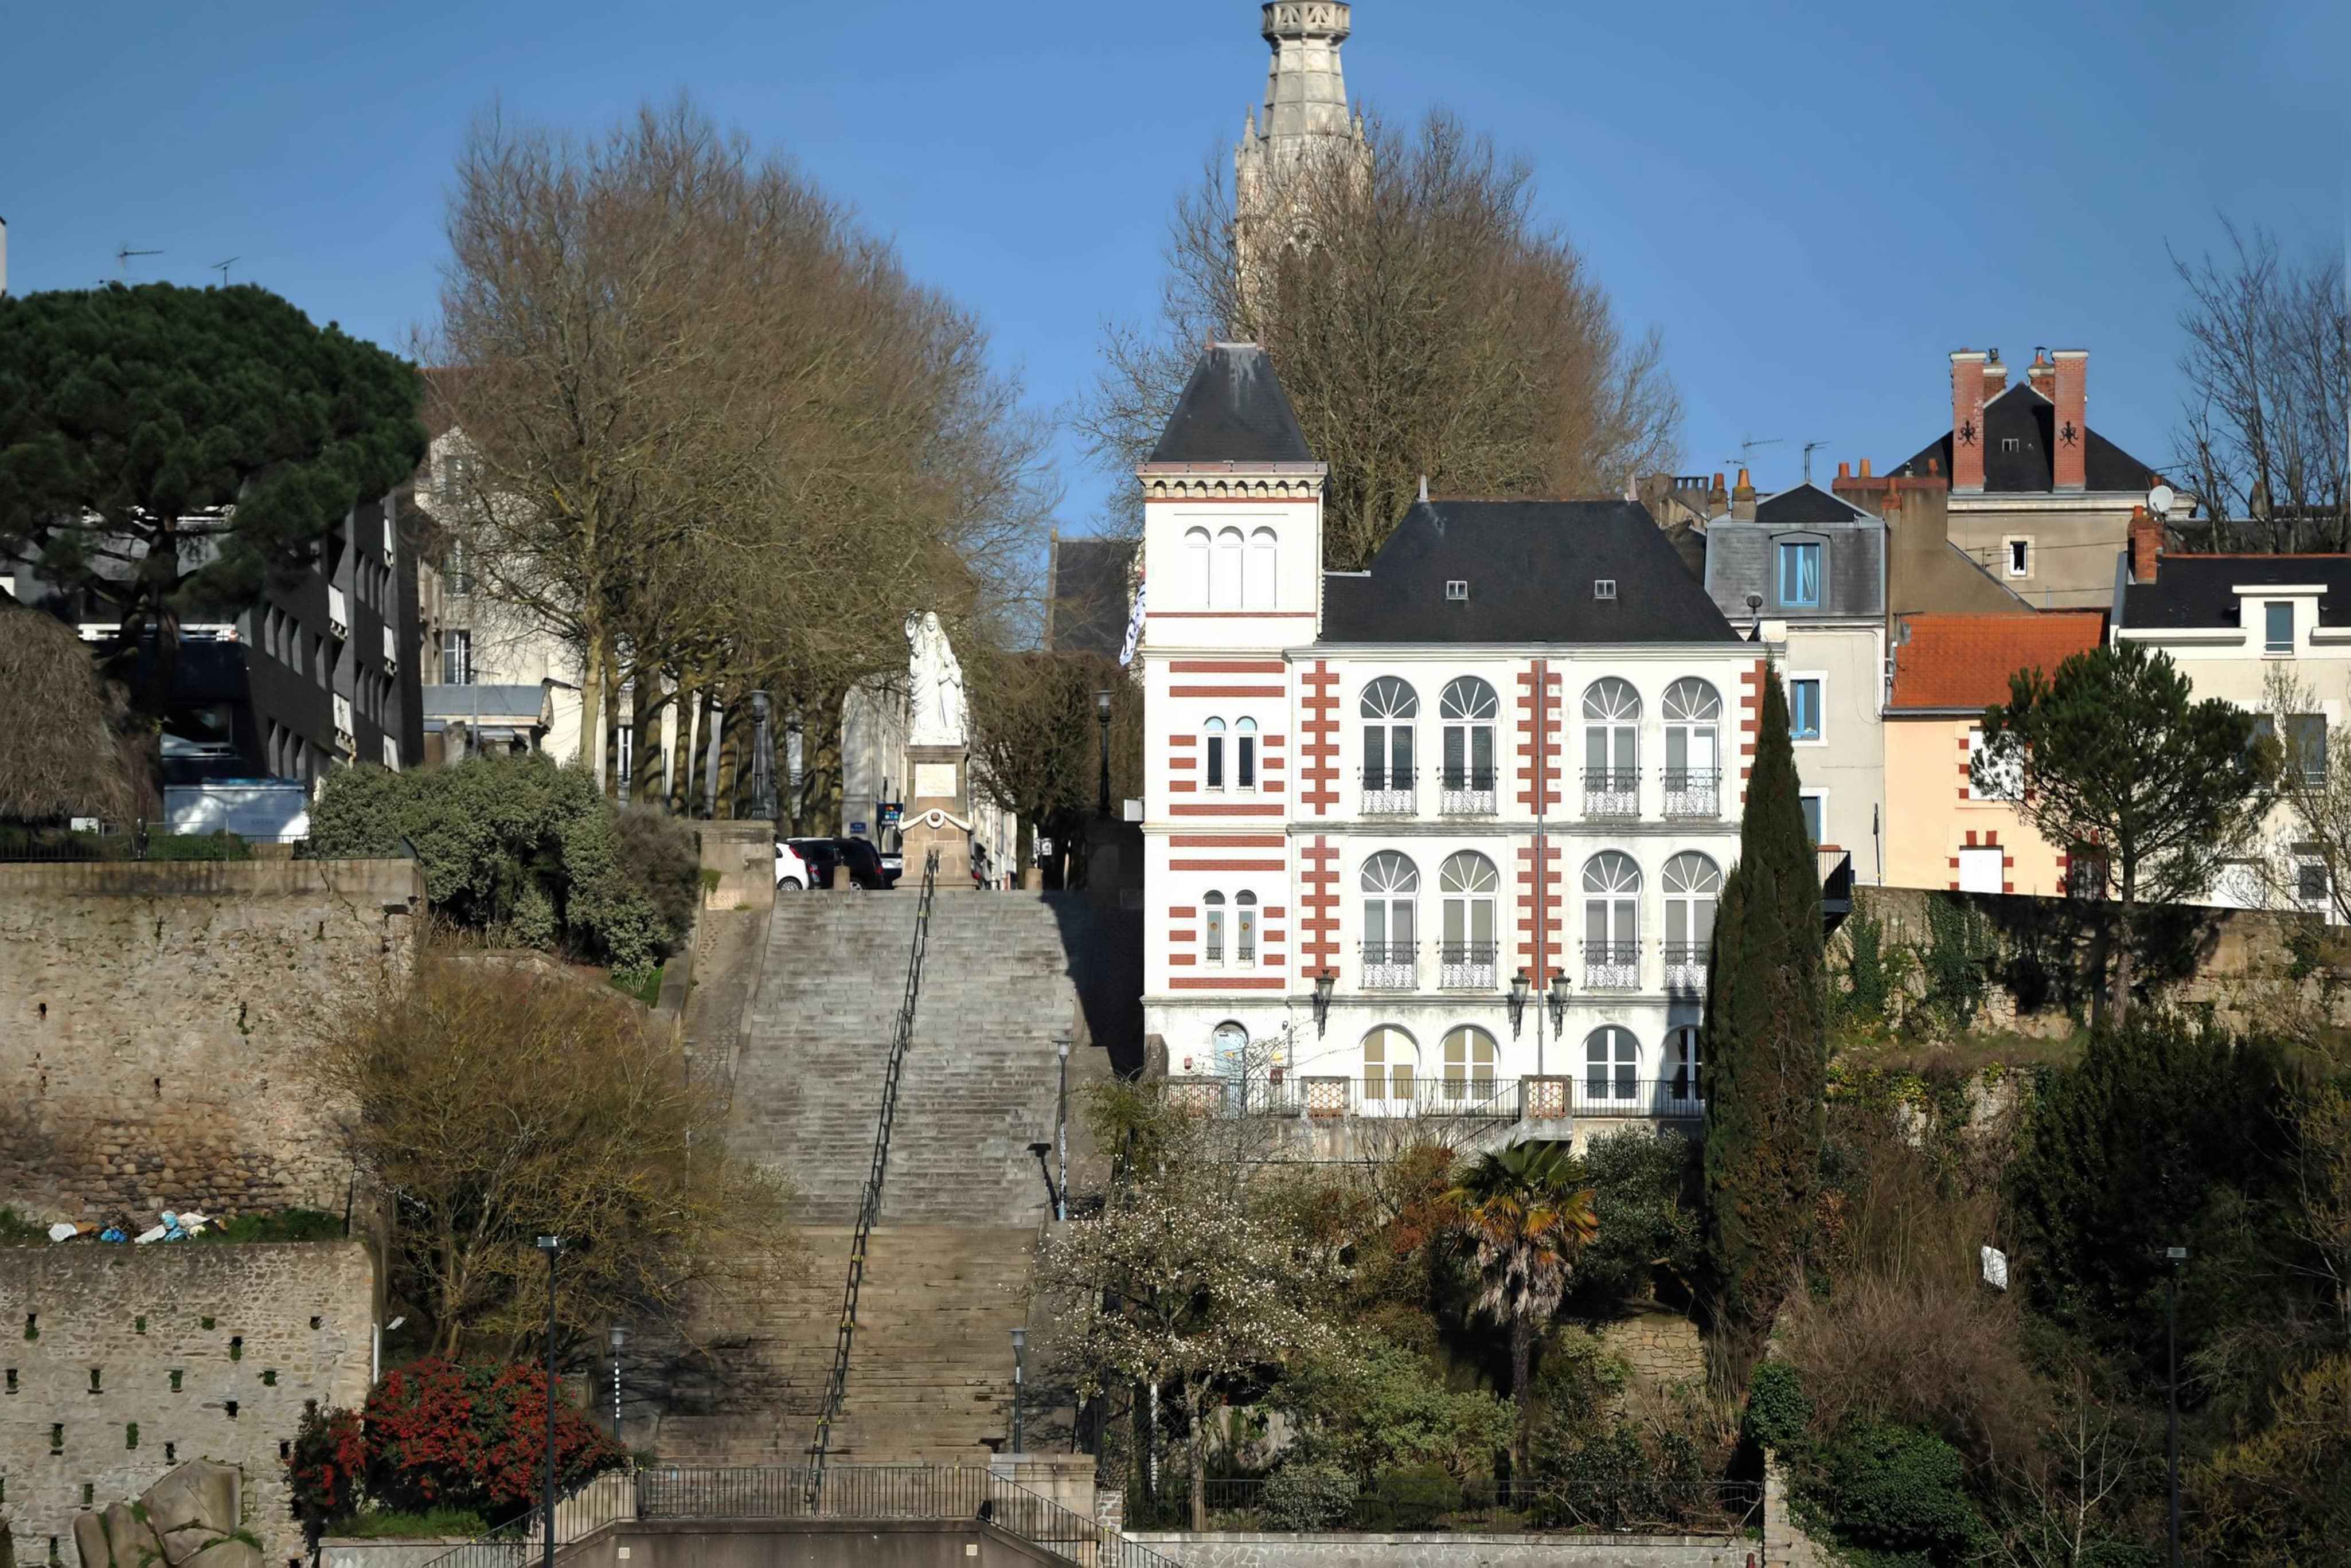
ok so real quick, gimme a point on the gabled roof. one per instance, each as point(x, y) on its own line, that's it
point(1963, 661)
point(1806, 503)
point(1089, 609)
point(1233, 410)
point(2023, 415)
point(1530, 567)
point(2199, 590)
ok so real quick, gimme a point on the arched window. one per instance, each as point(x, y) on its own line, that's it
point(1683, 1090)
point(1225, 582)
point(1612, 1066)
point(1612, 922)
point(1467, 710)
point(1212, 763)
point(1245, 927)
point(1195, 580)
point(1693, 883)
point(1389, 707)
point(1389, 1061)
point(1212, 928)
point(1693, 765)
point(1467, 885)
point(1391, 886)
point(1611, 749)
point(1264, 559)
point(1469, 1065)
point(1245, 754)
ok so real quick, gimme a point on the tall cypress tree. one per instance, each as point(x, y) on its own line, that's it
point(1766, 1043)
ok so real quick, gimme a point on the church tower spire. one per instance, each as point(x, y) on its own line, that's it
point(1306, 112)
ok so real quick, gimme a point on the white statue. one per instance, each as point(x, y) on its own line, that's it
point(936, 712)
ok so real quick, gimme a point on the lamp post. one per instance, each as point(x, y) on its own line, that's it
point(1102, 717)
point(553, 1247)
point(1518, 1000)
point(2175, 1256)
point(1061, 1131)
point(619, 1336)
point(1324, 983)
point(1557, 999)
point(1019, 1370)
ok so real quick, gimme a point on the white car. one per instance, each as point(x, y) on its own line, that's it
point(791, 872)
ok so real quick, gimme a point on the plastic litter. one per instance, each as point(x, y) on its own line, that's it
point(144, 1236)
point(61, 1231)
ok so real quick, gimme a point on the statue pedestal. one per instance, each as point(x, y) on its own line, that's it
point(938, 815)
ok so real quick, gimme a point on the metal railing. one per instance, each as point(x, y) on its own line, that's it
point(1686, 966)
point(1465, 966)
point(1604, 1092)
point(1388, 792)
point(138, 840)
point(1612, 794)
point(1466, 792)
point(1612, 966)
point(1391, 966)
point(1481, 1095)
point(578, 1513)
point(869, 1207)
point(1601, 1092)
point(1693, 792)
point(1714, 1507)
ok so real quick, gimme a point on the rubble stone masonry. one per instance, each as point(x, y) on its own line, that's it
point(152, 1012)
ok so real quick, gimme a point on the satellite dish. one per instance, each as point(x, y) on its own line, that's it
point(2159, 502)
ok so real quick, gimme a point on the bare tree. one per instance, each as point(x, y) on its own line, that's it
point(2264, 439)
point(1422, 322)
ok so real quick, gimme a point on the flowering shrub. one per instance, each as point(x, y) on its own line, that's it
point(446, 1433)
point(325, 1467)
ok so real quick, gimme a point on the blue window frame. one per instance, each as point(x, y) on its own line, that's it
point(1800, 575)
point(1804, 709)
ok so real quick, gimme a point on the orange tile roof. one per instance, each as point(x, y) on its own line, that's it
point(1965, 661)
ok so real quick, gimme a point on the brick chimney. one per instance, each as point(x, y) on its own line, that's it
point(1995, 376)
point(2069, 444)
point(2146, 545)
point(1967, 421)
point(2039, 374)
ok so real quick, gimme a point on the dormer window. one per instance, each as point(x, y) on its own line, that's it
point(1604, 588)
point(1456, 590)
point(2277, 626)
point(1800, 574)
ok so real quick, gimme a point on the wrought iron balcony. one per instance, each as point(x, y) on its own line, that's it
point(1612, 794)
point(1213, 950)
point(1389, 792)
point(1614, 1091)
point(1693, 793)
point(1465, 966)
point(1391, 966)
point(1468, 792)
point(1686, 967)
point(1612, 966)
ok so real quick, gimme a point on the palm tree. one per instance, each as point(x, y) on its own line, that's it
point(1529, 1220)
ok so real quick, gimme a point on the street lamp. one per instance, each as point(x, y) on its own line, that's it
point(1518, 1000)
point(1062, 1129)
point(1102, 716)
point(1557, 999)
point(1020, 1369)
point(553, 1247)
point(619, 1336)
point(2175, 1256)
point(1323, 985)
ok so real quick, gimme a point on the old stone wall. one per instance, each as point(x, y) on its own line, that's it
point(1658, 1346)
point(152, 1012)
point(1445, 1550)
point(121, 1362)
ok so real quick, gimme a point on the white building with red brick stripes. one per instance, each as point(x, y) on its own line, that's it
point(1514, 746)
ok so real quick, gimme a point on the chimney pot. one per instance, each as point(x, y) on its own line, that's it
point(1864, 468)
point(1844, 470)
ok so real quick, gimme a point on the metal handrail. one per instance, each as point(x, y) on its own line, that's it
point(869, 1207)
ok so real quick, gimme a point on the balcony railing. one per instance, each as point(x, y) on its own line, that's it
point(1391, 966)
point(1465, 966)
point(1389, 792)
point(1466, 1095)
point(1471, 1095)
point(1613, 1092)
point(1686, 966)
point(1693, 792)
point(1612, 966)
point(1612, 794)
point(1466, 792)
point(1212, 951)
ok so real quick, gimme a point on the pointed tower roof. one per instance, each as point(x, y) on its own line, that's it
point(1233, 410)
point(1305, 92)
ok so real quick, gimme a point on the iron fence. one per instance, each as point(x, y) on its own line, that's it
point(20, 843)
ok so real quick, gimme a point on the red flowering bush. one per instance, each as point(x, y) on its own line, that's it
point(447, 1434)
point(325, 1467)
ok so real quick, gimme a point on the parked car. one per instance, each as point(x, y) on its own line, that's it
point(820, 855)
point(791, 870)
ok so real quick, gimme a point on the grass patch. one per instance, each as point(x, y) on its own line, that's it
point(643, 984)
point(281, 1224)
point(389, 1526)
point(16, 1230)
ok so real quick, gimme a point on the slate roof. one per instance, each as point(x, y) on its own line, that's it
point(2022, 414)
point(1807, 502)
point(2194, 590)
point(1089, 610)
point(1530, 567)
point(1233, 410)
point(1947, 662)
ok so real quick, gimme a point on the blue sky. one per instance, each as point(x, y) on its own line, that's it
point(1814, 202)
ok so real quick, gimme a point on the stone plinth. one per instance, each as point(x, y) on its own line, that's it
point(938, 814)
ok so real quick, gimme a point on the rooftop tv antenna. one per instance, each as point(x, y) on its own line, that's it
point(1811, 447)
point(1750, 445)
point(122, 258)
point(222, 267)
